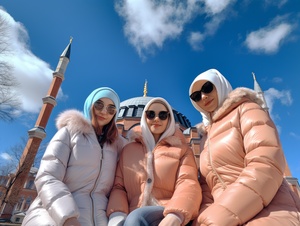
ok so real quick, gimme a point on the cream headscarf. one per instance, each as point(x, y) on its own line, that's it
point(146, 133)
point(223, 89)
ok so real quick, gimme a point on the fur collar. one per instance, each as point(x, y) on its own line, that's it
point(235, 98)
point(75, 121)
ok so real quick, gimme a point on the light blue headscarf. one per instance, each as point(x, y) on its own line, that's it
point(222, 85)
point(103, 92)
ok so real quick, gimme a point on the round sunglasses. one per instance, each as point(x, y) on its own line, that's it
point(99, 105)
point(206, 88)
point(162, 115)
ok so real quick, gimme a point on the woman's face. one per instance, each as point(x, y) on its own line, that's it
point(157, 124)
point(209, 100)
point(103, 112)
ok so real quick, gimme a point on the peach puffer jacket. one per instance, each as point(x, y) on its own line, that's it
point(242, 166)
point(170, 182)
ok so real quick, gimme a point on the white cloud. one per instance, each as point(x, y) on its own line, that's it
point(268, 39)
point(148, 23)
point(216, 13)
point(216, 6)
point(5, 156)
point(272, 95)
point(195, 40)
point(33, 75)
point(277, 80)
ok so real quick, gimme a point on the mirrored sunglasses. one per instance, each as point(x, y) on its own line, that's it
point(99, 105)
point(162, 115)
point(206, 88)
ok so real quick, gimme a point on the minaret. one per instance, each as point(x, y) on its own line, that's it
point(145, 88)
point(260, 93)
point(287, 173)
point(36, 135)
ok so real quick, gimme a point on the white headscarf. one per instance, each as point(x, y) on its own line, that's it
point(223, 89)
point(146, 133)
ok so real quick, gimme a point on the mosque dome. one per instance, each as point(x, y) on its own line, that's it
point(133, 108)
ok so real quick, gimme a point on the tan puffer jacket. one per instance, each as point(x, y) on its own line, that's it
point(170, 182)
point(242, 166)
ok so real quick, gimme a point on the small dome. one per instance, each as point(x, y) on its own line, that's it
point(133, 108)
point(136, 101)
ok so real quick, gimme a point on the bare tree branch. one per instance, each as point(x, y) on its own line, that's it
point(9, 101)
point(8, 169)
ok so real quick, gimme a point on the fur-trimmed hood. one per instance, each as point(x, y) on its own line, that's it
point(75, 121)
point(235, 98)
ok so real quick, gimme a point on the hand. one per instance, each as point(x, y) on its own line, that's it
point(170, 220)
point(117, 219)
point(72, 222)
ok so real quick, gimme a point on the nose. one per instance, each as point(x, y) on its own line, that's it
point(156, 118)
point(104, 110)
point(203, 96)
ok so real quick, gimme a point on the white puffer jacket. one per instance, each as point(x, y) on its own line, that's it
point(75, 175)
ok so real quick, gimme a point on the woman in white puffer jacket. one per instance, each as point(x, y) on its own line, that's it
point(77, 170)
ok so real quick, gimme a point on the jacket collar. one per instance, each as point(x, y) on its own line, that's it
point(177, 139)
point(234, 99)
point(75, 121)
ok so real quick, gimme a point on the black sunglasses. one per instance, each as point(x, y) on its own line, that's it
point(162, 115)
point(99, 105)
point(206, 88)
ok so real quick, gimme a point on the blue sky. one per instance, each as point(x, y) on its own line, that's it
point(121, 44)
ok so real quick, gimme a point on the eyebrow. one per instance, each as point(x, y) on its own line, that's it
point(110, 105)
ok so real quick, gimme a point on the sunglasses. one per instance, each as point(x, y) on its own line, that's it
point(206, 88)
point(99, 105)
point(162, 115)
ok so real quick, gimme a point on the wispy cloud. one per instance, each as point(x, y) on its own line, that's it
point(214, 7)
point(216, 12)
point(268, 39)
point(278, 3)
point(195, 39)
point(148, 24)
point(33, 75)
point(277, 80)
point(272, 95)
point(296, 136)
point(5, 156)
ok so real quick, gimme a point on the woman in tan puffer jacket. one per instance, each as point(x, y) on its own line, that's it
point(156, 178)
point(242, 163)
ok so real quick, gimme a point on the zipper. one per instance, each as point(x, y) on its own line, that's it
point(95, 186)
point(211, 162)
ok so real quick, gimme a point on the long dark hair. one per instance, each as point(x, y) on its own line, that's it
point(109, 131)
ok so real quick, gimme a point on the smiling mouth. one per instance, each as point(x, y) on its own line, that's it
point(100, 117)
point(207, 103)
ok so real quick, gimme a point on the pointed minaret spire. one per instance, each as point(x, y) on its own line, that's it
point(63, 61)
point(67, 52)
point(260, 93)
point(36, 135)
point(145, 88)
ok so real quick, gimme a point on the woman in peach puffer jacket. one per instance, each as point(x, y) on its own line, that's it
point(156, 179)
point(242, 163)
